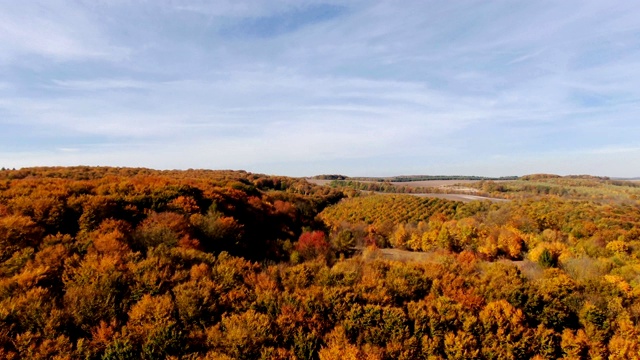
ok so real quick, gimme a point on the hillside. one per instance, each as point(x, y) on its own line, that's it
point(124, 263)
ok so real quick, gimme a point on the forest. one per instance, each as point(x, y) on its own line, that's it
point(133, 263)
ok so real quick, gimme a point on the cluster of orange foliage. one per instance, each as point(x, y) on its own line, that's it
point(105, 263)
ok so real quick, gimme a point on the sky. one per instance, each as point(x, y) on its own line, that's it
point(299, 88)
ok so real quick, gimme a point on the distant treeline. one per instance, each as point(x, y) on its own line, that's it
point(407, 178)
point(385, 187)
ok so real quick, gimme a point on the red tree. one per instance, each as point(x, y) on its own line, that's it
point(312, 244)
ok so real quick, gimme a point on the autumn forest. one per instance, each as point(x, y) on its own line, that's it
point(132, 263)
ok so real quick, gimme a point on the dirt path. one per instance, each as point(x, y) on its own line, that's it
point(461, 197)
point(406, 255)
point(454, 197)
point(528, 268)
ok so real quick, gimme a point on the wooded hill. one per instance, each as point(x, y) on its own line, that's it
point(120, 263)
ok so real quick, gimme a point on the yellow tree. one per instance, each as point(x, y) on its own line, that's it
point(504, 335)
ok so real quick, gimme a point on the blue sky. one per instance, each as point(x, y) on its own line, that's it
point(308, 87)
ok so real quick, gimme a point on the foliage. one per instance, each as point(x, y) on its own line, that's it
point(312, 244)
point(111, 263)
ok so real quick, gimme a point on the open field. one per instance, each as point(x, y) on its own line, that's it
point(318, 181)
point(434, 183)
point(448, 185)
point(423, 183)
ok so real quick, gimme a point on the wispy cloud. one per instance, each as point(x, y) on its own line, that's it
point(53, 29)
point(99, 84)
point(282, 23)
